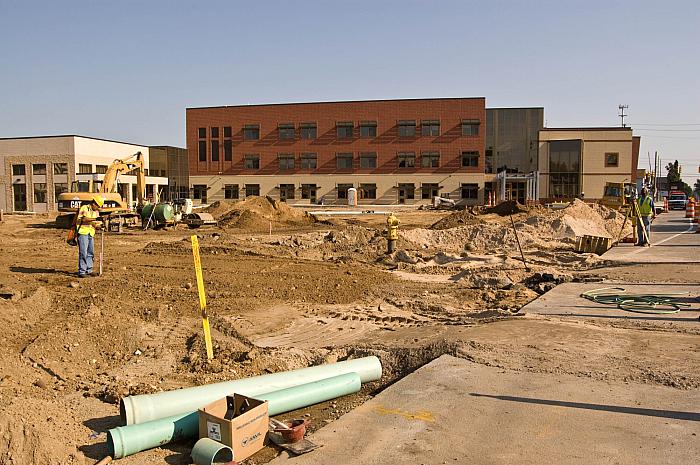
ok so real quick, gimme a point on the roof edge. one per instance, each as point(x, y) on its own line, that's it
point(335, 102)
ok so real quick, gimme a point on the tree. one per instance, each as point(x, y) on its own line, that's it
point(673, 177)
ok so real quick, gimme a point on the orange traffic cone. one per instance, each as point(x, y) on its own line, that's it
point(690, 209)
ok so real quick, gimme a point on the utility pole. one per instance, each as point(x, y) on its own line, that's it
point(622, 114)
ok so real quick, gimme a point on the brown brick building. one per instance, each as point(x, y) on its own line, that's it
point(391, 151)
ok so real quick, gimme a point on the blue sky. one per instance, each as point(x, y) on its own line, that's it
point(127, 69)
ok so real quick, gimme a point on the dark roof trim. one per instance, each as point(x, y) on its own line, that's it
point(71, 135)
point(338, 101)
point(615, 128)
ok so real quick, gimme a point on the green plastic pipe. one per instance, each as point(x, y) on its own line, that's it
point(208, 452)
point(147, 407)
point(127, 440)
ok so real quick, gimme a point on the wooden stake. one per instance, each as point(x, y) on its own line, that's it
point(518, 240)
point(202, 297)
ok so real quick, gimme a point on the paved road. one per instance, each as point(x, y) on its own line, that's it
point(453, 411)
point(673, 240)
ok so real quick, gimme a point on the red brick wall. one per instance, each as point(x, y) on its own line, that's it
point(386, 144)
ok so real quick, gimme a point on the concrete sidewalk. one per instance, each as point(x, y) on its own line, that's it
point(565, 300)
point(673, 240)
point(455, 411)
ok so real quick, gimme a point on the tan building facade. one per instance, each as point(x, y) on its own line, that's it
point(576, 161)
point(35, 170)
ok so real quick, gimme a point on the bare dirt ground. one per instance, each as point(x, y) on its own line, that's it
point(311, 292)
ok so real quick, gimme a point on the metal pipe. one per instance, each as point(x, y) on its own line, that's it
point(147, 407)
point(127, 440)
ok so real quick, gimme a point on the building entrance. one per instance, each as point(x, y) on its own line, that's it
point(20, 197)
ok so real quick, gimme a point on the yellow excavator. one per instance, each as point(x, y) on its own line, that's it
point(83, 192)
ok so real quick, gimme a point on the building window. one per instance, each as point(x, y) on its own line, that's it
point(309, 161)
point(308, 191)
point(39, 168)
point(488, 160)
point(231, 191)
point(227, 131)
point(251, 162)
point(368, 160)
point(286, 161)
point(58, 189)
point(612, 160)
point(430, 159)
point(470, 127)
point(368, 129)
point(368, 191)
point(470, 159)
point(228, 150)
point(407, 159)
point(84, 168)
point(18, 170)
point(307, 130)
point(40, 192)
point(251, 132)
point(564, 168)
point(202, 133)
point(215, 150)
point(100, 169)
point(252, 189)
point(60, 168)
point(199, 192)
point(344, 129)
point(202, 150)
point(429, 190)
point(214, 133)
point(470, 191)
point(286, 192)
point(430, 127)
point(407, 128)
point(343, 190)
point(286, 131)
point(343, 161)
point(407, 191)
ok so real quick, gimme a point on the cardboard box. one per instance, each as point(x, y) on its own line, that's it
point(244, 433)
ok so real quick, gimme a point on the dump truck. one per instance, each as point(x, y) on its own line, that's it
point(677, 200)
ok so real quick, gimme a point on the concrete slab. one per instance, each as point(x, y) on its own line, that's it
point(565, 300)
point(673, 240)
point(455, 411)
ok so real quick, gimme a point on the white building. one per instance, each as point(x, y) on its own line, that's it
point(35, 170)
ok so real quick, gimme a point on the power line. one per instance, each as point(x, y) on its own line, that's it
point(668, 130)
point(666, 124)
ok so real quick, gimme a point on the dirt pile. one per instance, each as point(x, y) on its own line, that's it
point(255, 214)
point(539, 229)
point(509, 207)
point(454, 220)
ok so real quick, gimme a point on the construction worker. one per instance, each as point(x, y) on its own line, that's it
point(87, 221)
point(646, 212)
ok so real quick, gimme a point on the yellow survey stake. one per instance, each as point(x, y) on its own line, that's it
point(202, 296)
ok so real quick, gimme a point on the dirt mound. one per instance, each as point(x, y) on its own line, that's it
point(541, 229)
point(509, 207)
point(255, 214)
point(454, 220)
